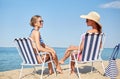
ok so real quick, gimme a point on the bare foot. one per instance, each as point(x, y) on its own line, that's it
point(61, 62)
point(72, 72)
point(59, 71)
point(51, 72)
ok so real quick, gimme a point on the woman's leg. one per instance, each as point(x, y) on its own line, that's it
point(58, 68)
point(55, 59)
point(72, 67)
point(50, 68)
point(66, 55)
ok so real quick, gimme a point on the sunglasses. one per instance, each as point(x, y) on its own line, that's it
point(41, 21)
point(87, 20)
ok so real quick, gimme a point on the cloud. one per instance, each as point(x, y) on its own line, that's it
point(114, 4)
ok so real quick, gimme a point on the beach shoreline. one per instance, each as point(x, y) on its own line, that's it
point(84, 71)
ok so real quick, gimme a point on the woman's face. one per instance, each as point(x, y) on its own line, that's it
point(90, 22)
point(39, 23)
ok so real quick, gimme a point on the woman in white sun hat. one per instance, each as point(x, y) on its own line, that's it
point(92, 19)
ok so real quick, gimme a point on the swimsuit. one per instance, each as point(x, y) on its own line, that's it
point(41, 40)
point(80, 54)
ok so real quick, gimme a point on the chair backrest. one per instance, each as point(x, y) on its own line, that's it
point(26, 50)
point(91, 48)
point(115, 52)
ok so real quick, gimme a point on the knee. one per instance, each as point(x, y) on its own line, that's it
point(72, 63)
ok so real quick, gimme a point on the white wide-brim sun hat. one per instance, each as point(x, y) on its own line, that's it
point(92, 16)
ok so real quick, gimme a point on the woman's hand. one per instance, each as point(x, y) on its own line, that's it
point(52, 53)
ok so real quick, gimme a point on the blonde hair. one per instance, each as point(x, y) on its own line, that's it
point(34, 19)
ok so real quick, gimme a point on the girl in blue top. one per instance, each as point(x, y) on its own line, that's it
point(37, 23)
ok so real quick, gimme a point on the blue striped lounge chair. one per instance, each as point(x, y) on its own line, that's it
point(92, 50)
point(27, 54)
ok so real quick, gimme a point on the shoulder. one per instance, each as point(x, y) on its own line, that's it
point(92, 31)
point(83, 34)
point(89, 31)
point(36, 32)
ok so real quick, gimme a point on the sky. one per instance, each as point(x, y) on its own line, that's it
point(62, 23)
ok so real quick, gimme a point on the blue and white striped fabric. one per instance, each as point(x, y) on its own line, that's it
point(26, 51)
point(112, 70)
point(91, 46)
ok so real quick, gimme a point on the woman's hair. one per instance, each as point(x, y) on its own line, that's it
point(99, 28)
point(34, 19)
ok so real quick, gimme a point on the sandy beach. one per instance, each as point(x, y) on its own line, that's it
point(84, 71)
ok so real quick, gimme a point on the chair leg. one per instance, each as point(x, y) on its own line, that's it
point(34, 69)
point(76, 64)
point(53, 68)
point(42, 71)
point(21, 72)
point(103, 66)
point(77, 69)
point(91, 67)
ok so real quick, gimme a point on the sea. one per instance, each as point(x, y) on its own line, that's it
point(10, 58)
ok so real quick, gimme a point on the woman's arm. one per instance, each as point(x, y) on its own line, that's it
point(37, 41)
point(81, 45)
point(38, 44)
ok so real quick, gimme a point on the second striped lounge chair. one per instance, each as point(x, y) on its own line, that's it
point(91, 51)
